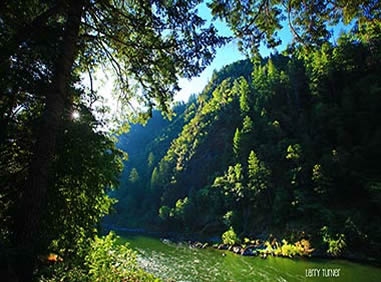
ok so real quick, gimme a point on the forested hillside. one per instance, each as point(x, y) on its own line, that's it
point(147, 144)
point(288, 145)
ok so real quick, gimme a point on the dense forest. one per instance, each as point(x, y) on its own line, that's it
point(287, 145)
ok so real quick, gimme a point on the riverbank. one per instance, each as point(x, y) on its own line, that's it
point(259, 248)
point(180, 261)
point(172, 236)
point(263, 252)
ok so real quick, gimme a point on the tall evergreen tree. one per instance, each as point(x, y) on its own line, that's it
point(247, 125)
point(154, 177)
point(244, 96)
point(79, 36)
point(134, 176)
point(237, 143)
point(151, 159)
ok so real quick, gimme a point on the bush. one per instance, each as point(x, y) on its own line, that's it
point(164, 212)
point(108, 261)
point(335, 246)
point(229, 237)
point(227, 218)
point(300, 248)
point(304, 247)
point(63, 272)
point(105, 261)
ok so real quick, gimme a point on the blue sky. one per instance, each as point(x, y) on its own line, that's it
point(229, 54)
point(224, 56)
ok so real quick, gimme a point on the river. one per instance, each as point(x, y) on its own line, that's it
point(180, 262)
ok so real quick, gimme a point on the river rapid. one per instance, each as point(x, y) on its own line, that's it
point(180, 262)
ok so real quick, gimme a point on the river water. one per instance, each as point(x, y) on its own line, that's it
point(179, 262)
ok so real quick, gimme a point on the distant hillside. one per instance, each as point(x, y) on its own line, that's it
point(147, 145)
point(289, 146)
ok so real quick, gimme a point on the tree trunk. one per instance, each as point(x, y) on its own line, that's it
point(28, 234)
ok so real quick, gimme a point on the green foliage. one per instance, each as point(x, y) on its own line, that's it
point(231, 182)
point(180, 207)
point(230, 237)
point(164, 212)
point(309, 21)
point(336, 244)
point(247, 125)
point(253, 165)
point(134, 176)
point(63, 272)
point(154, 177)
point(151, 159)
point(108, 261)
point(104, 260)
point(287, 250)
point(313, 156)
point(306, 151)
point(257, 174)
point(87, 167)
point(54, 45)
point(228, 217)
point(294, 152)
point(244, 95)
point(237, 143)
point(322, 181)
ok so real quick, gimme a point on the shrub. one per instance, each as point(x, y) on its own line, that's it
point(62, 272)
point(108, 261)
point(287, 250)
point(105, 260)
point(164, 212)
point(230, 237)
point(227, 218)
point(335, 245)
point(304, 247)
point(300, 248)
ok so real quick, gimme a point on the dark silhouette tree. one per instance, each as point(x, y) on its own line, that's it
point(147, 44)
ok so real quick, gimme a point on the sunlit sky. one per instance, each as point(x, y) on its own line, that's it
point(224, 56)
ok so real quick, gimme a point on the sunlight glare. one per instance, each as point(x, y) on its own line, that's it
point(75, 115)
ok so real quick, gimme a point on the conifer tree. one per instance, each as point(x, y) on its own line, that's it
point(253, 165)
point(244, 96)
point(237, 143)
point(151, 159)
point(247, 125)
point(134, 176)
point(154, 177)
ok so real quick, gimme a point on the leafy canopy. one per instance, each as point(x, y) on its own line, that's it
point(259, 21)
